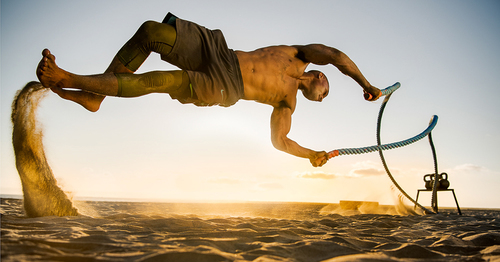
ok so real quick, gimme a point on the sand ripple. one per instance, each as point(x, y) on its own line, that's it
point(121, 231)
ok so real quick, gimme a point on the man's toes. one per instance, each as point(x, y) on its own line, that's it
point(46, 52)
point(39, 69)
point(47, 55)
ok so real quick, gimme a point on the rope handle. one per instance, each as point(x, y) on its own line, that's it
point(384, 92)
point(389, 90)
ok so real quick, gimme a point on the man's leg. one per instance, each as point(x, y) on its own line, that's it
point(107, 84)
point(150, 37)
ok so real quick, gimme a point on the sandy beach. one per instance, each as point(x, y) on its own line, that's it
point(142, 231)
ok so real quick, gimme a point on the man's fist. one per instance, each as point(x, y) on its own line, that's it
point(319, 159)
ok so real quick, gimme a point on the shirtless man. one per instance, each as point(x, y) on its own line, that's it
point(211, 74)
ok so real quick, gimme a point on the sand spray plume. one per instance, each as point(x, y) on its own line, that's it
point(42, 195)
point(370, 205)
point(401, 207)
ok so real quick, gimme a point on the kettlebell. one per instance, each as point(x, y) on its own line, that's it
point(429, 181)
point(443, 181)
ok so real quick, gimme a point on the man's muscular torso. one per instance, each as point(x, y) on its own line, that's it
point(271, 75)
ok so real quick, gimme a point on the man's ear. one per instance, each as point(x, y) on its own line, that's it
point(321, 75)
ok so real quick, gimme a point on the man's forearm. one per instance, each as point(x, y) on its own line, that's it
point(349, 68)
point(291, 147)
point(317, 159)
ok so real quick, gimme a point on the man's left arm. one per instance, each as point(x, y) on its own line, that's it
point(323, 55)
point(281, 121)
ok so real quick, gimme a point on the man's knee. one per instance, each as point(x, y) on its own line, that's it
point(151, 32)
point(146, 29)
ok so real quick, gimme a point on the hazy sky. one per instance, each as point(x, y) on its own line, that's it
point(445, 54)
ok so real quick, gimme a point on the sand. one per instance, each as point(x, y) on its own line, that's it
point(140, 231)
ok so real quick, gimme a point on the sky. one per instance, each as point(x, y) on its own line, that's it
point(444, 53)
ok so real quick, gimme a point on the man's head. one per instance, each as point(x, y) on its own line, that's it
point(316, 86)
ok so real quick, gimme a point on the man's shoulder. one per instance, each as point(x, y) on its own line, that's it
point(278, 48)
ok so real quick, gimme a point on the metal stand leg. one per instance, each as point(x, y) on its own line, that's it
point(456, 201)
point(416, 199)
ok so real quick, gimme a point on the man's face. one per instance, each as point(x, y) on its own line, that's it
point(319, 88)
point(322, 91)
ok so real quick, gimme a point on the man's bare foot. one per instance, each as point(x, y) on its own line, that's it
point(49, 74)
point(55, 78)
point(89, 101)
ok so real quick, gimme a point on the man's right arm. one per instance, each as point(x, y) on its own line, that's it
point(323, 55)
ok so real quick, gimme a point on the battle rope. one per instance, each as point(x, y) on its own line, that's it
point(387, 92)
point(436, 177)
point(379, 121)
point(369, 149)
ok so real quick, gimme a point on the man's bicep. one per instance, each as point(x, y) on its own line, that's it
point(281, 122)
point(318, 54)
